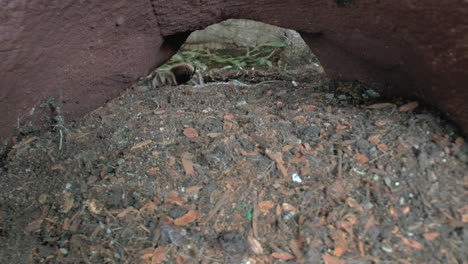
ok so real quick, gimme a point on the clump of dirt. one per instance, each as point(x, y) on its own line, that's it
point(290, 168)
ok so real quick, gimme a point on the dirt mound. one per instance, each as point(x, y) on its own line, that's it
point(287, 169)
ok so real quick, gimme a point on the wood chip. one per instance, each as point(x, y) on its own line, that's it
point(190, 133)
point(159, 255)
point(309, 108)
point(408, 107)
point(153, 171)
point(361, 158)
point(266, 206)
point(34, 225)
point(431, 236)
point(227, 126)
point(188, 166)
point(255, 245)
point(24, 142)
point(186, 219)
point(351, 202)
point(176, 200)
point(68, 204)
point(412, 243)
point(382, 147)
point(295, 248)
point(288, 208)
point(332, 260)
point(141, 144)
point(374, 139)
point(278, 158)
point(146, 253)
point(380, 106)
point(282, 255)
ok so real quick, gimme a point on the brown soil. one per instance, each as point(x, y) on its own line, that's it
point(271, 172)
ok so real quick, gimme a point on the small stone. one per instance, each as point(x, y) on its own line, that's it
point(64, 251)
point(386, 249)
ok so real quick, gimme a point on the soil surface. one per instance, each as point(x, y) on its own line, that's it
point(286, 167)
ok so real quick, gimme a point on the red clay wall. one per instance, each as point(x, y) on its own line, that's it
point(85, 53)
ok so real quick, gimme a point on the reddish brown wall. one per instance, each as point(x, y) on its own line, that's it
point(86, 52)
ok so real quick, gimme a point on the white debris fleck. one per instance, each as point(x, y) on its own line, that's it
point(387, 249)
point(296, 178)
point(241, 103)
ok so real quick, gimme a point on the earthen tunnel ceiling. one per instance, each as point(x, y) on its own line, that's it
point(85, 52)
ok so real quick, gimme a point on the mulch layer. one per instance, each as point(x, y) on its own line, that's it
point(290, 168)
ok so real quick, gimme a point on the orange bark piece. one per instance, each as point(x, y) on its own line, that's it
point(188, 166)
point(153, 171)
point(431, 236)
point(58, 167)
point(408, 107)
point(176, 200)
point(229, 117)
point(332, 260)
point(380, 106)
point(382, 147)
point(298, 118)
point(309, 108)
point(288, 208)
point(193, 189)
point(159, 255)
point(412, 243)
point(190, 133)
point(282, 255)
point(227, 126)
point(361, 158)
point(338, 251)
point(382, 122)
point(142, 144)
point(146, 253)
point(186, 219)
point(266, 206)
point(374, 139)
